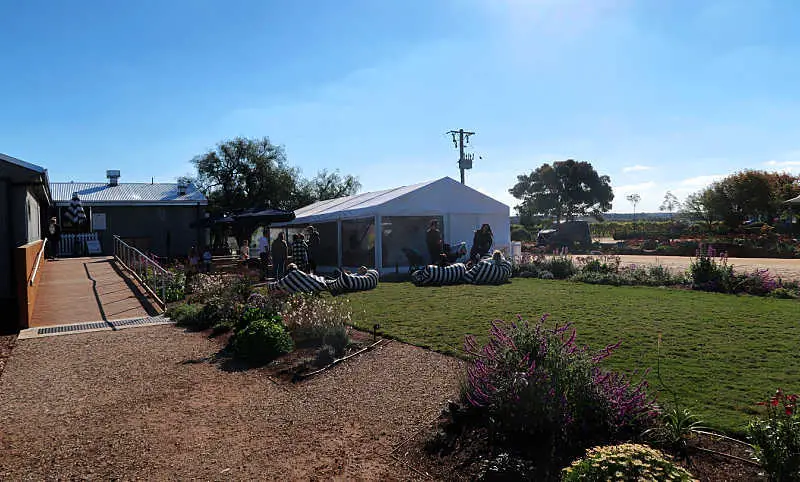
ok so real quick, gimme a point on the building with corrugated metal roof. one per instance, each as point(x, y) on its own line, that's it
point(154, 217)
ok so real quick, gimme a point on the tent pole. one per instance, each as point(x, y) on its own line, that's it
point(378, 243)
point(338, 243)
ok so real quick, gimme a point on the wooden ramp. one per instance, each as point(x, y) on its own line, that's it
point(78, 290)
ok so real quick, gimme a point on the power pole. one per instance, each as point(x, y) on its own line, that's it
point(464, 161)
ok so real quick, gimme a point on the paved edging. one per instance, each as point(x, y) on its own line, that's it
point(92, 326)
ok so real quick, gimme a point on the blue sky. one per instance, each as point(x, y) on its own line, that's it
point(659, 95)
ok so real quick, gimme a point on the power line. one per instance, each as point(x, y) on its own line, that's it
point(464, 161)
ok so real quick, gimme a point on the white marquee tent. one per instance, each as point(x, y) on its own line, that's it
point(349, 237)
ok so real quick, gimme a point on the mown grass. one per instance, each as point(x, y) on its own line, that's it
point(720, 353)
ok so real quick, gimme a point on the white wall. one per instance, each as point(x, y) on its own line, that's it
point(461, 227)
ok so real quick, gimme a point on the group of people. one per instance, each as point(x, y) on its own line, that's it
point(304, 251)
point(482, 242)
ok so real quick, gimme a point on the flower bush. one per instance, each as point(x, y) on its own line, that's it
point(776, 437)
point(310, 317)
point(187, 315)
point(531, 382)
point(261, 341)
point(624, 462)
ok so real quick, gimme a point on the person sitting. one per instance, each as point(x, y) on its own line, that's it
point(481, 243)
point(444, 261)
point(496, 270)
point(297, 281)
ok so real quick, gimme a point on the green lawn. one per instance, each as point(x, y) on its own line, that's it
point(721, 353)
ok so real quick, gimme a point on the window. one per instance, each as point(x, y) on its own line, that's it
point(405, 232)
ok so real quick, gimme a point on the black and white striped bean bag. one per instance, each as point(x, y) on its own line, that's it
point(489, 272)
point(348, 282)
point(433, 275)
point(297, 281)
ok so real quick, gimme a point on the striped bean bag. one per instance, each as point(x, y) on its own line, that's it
point(433, 275)
point(348, 283)
point(297, 281)
point(489, 272)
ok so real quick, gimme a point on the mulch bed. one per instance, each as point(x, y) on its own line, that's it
point(7, 343)
point(461, 457)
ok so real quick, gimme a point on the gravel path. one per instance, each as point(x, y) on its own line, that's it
point(141, 403)
point(785, 268)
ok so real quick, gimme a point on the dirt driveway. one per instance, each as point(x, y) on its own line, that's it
point(784, 268)
point(145, 403)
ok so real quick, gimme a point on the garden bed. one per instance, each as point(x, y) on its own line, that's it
point(304, 361)
point(464, 456)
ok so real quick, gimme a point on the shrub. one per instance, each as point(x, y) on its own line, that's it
point(310, 317)
point(624, 462)
point(709, 274)
point(776, 438)
point(560, 265)
point(784, 293)
point(260, 306)
point(544, 274)
point(186, 314)
point(337, 337)
point(674, 428)
point(530, 382)
point(520, 234)
point(325, 356)
point(262, 341)
point(599, 264)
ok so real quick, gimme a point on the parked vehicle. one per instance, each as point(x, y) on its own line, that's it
point(568, 234)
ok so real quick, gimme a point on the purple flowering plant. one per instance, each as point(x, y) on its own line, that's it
point(531, 381)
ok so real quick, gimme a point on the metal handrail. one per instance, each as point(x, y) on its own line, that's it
point(38, 260)
point(144, 269)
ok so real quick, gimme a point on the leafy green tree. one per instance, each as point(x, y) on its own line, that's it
point(245, 173)
point(563, 190)
point(750, 194)
point(700, 207)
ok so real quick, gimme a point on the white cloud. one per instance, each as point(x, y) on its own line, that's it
point(782, 163)
point(637, 167)
point(700, 182)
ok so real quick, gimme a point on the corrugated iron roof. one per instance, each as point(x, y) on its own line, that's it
point(126, 193)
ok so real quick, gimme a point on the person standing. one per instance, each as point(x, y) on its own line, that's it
point(300, 252)
point(263, 256)
point(433, 239)
point(280, 251)
point(313, 248)
point(53, 236)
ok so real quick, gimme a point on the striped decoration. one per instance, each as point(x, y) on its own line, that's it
point(297, 281)
point(489, 272)
point(75, 212)
point(433, 275)
point(348, 283)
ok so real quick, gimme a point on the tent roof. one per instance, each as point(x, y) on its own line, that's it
point(794, 200)
point(440, 196)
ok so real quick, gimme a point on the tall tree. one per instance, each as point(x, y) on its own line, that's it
point(670, 203)
point(245, 173)
point(750, 194)
point(634, 199)
point(699, 207)
point(563, 190)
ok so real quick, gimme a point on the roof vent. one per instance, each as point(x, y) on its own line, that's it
point(113, 177)
point(182, 187)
